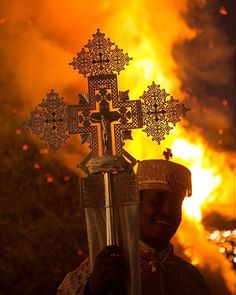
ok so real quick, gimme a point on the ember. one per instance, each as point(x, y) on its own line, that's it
point(25, 147)
point(44, 151)
point(2, 20)
point(36, 166)
point(66, 178)
point(226, 240)
point(225, 103)
point(18, 131)
point(223, 10)
point(50, 179)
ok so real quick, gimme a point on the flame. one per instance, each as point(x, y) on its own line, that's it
point(153, 61)
point(147, 31)
point(204, 179)
point(149, 44)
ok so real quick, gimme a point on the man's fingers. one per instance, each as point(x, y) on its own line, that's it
point(110, 267)
point(101, 270)
point(111, 250)
point(115, 276)
point(111, 260)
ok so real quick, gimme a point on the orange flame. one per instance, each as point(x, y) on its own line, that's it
point(147, 30)
point(151, 47)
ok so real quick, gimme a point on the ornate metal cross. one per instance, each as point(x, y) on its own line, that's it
point(104, 118)
point(104, 110)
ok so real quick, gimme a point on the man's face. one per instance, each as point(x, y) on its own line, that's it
point(160, 216)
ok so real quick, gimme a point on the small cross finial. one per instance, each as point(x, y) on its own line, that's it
point(168, 154)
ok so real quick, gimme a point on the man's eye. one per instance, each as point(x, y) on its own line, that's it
point(156, 201)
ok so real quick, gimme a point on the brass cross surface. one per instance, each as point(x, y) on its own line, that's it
point(105, 116)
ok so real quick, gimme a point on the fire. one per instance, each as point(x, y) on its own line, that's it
point(204, 179)
point(153, 61)
point(147, 30)
point(208, 178)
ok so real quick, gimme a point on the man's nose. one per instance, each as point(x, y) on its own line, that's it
point(165, 206)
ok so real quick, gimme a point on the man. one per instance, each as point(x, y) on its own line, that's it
point(162, 185)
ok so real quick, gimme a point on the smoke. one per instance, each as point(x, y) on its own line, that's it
point(40, 39)
point(207, 70)
point(36, 60)
point(178, 44)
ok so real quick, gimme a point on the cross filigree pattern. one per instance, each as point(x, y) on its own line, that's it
point(105, 117)
point(105, 106)
point(159, 113)
point(49, 121)
point(100, 56)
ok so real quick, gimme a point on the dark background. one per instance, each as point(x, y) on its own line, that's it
point(42, 226)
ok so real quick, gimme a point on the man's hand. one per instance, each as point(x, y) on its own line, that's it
point(109, 272)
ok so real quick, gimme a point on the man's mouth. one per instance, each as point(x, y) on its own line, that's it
point(161, 221)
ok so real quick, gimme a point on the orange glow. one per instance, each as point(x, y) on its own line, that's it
point(225, 103)
point(153, 61)
point(36, 166)
point(50, 179)
point(25, 147)
point(80, 252)
point(147, 31)
point(220, 131)
point(204, 179)
point(44, 151)
point(223, 10)
point(18, 131)
point(66, 178)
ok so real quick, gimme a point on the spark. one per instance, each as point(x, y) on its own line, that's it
point(223, 10)
point(66, 178)
point(18, 131)
point(225, 103)
point(215, 235)
point(227, 233)
point(2, 20)
point(222, 250)
point(50, 179)
point(25, 147)
point(80, 252)
point(36, 166)
point(44, 151)
point(226, 242)
point(220, 131)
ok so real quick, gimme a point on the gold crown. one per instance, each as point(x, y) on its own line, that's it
point(164, 175)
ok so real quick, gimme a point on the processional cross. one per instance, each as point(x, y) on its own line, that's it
point(54, 121)
point(104, 118)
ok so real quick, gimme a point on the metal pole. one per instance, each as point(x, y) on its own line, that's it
point(110, 215)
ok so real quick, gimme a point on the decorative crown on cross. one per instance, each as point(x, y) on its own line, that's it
point(54, 121)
